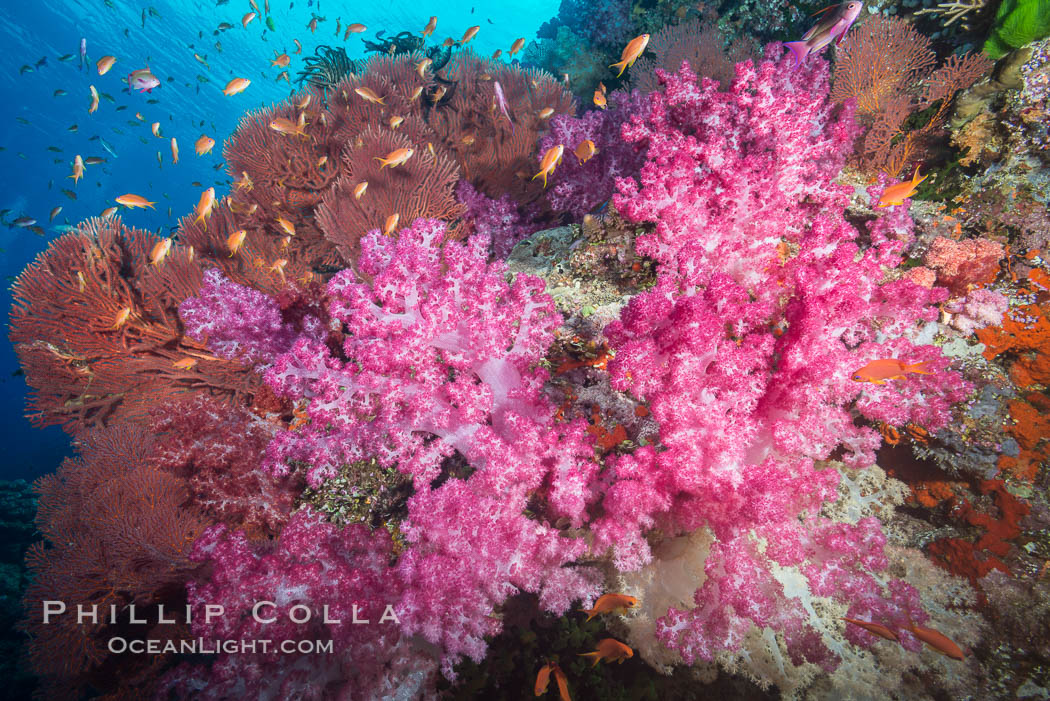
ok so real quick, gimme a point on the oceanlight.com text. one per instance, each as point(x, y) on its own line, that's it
point(120, 645)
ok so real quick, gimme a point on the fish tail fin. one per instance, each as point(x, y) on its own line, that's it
point(621, 64)
point(596, 656)
point(798, 49)
point(591, 613)
point(920, 368)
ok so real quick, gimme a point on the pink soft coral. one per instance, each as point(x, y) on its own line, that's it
point(744, 352)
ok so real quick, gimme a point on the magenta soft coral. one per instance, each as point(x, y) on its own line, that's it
point(744, 353)
point(730, 174)
point(440, 361)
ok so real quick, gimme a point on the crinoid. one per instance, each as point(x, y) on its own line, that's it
point(325, 68)
point(402, 43)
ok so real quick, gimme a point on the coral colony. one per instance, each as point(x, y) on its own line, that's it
point(333, 396)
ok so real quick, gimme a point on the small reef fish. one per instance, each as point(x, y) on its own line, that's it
point(105, 63)
point(563, 684)
point(54, 213)
point(135, 201)
point(875, 629)
point(599, 100)
point(83, 52)
point(107, 212)
point(878, 371)
point(283, 75)
point(78, 169)
point(174, 150)
point(246, 20)
point(155, 128)
point(245, 183)
point(543, 678)
point(298, 46)
point(898, 192)
point(550, 161)
point(831, 27)
point(631, 52)
point(235, 240)
point(283, 125)
point(517, 46)
point(395, 121)
point(391, 223)
point(610, 650)
point(369, 95)
point(431, 26)
point(611, 603)
point(359, 189)
point(356, 28)
point(545, 113)
point(395, 158)
point(422, 66)
point(469, 34)
point(121, 318)
point(286, 226)
point(938, 641)
point(281, 60)
point(143, 80)
point(501, 102)
point(184, 363)
point(159, 251)
point(203, 145)
point(237, 85)
point(94, 99)
point(204, 207)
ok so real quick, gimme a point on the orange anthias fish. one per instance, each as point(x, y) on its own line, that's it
point(78, 169)
point(543, 678)
point(121, 318)
point(203, 145)
point(105, 63)
point(875, 629)
point(160, 251)
point(245, 183)
point(631, 52)
point(938, 641)
point(359, 189)
point(155, 128)
point(356, 28)
point(585, 151)
point(898, 192)
point(235, 240)
point(599, 100)
point(391, 223)
point(287, 127)
point(246, 20)
point(286, 226)
point(135, 201)
point(550, 161)
point(395, 158)
point(878, 371)
point(235, 86)
point(517, 46)
point(184, 363)
point(469, 34)
point(545, 112)
point(563, 684)
point(281, 60)
point(107, 212)
point(610, 650)
point(298, 46)
point(204, 207)
point(94, 99)
point(611, 603)
point(422, 66)
point(369, 95)
point(174, 150)
point(431, 26)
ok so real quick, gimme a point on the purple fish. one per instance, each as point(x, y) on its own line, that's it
point(501, 100)
point(143, 80)
point(83, 52)
point(833, 26)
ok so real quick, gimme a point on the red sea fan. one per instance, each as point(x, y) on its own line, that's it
point(880, 65)
point(97, 331)
point(118, 532)
point(217, 451)
point(420, 187)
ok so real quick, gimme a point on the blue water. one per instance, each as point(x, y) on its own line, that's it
point(165, 40)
